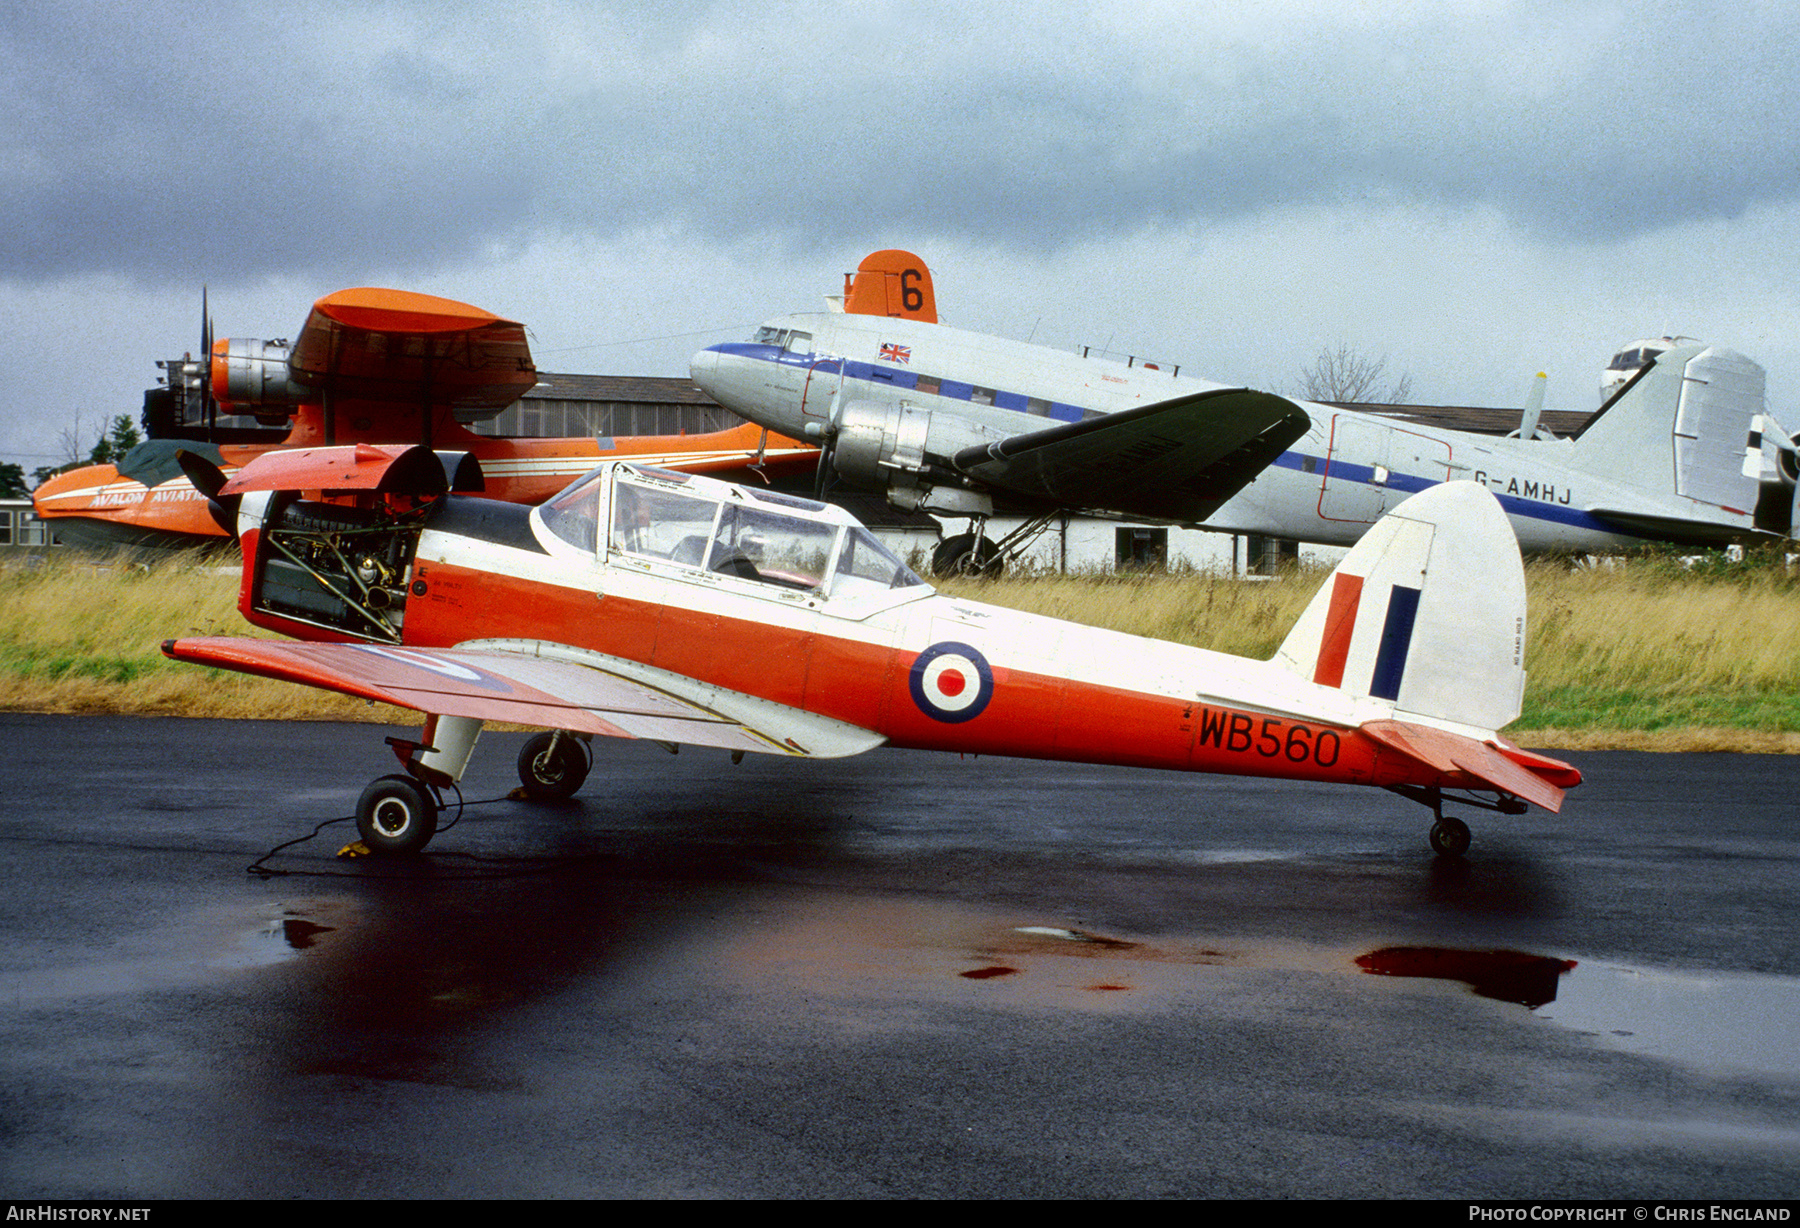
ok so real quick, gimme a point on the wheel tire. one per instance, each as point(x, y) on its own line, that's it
point(396, 816)
point(552, 776)
point(966, 555)
point(1449, 837)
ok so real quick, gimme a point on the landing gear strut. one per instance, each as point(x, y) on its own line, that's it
point(1449, 835)
point(977, 555)
point(398, 815)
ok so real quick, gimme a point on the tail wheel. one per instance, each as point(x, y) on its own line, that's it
point(396, 816)
point(1449, 837)
point(553, 767)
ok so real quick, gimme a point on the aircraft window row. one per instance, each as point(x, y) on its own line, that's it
point(776, 337)
point(933, 385)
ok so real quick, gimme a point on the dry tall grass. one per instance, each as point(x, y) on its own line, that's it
point(1647, 655)
point(80, 636)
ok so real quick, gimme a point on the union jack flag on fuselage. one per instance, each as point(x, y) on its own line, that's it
point(895, 353)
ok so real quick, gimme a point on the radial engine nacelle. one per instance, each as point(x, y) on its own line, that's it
point(902, 445)
point(253, 377)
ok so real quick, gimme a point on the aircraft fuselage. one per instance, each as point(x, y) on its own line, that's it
point(1348, 470)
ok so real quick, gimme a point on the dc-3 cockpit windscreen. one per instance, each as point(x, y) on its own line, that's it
point(760, 535)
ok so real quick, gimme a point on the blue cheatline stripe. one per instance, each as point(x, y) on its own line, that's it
point(901, 377)
point(1396, 641)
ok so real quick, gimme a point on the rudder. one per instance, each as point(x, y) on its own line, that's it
point(1426, 613)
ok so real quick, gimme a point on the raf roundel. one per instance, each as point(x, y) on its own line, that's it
point(951, 682)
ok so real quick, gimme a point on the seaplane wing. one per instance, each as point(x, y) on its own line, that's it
point(1176, 460)
point(543, 684)
point(380, 345)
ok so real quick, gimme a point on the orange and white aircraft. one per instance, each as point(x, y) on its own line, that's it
point(678, 609)
point(372, 366)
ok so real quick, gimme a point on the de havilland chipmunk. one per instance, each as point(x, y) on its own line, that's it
point(960, 423)
point(682, 610)
point(374, 366)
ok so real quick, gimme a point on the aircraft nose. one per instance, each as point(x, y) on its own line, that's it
point(703, 365)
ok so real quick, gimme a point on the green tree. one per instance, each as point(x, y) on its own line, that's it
point(119, 439)
point(12, 482)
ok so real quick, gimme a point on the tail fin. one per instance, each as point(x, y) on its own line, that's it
point(1681, 426)
point(891, 283)
point(1426, 613)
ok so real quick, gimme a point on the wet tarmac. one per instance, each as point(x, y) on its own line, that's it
point(904, 974)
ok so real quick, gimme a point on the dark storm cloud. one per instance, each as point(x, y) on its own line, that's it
point(239, 142)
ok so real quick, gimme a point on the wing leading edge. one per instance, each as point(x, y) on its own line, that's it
point(1177, 460)
point(536, 683)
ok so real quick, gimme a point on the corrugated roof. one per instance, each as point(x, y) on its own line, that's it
point(633, 389)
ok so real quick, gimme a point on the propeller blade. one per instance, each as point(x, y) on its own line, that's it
point(208, 478)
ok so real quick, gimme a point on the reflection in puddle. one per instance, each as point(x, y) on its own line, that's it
point(1722, 1020)
point(1506, 976)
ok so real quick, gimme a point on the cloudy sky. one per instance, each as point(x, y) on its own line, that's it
point(1477, 191)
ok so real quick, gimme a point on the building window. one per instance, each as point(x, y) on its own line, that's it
point(1268, 556)
point(1140, 549)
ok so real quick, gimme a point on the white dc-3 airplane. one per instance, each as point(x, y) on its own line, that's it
point(960, 423)
point(679, 609)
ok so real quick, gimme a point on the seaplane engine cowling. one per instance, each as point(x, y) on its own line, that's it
point(252, 377)
point(877, 442)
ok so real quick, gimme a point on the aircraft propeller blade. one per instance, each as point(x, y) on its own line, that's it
point(211, 406)
point(208, 478)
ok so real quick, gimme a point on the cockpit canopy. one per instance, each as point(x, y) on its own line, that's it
point(634, 511)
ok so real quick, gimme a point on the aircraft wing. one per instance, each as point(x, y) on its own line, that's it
point(538, 683)
point(379, 345)
point(1177, 460)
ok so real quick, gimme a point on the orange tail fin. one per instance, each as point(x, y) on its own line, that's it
point(891, 283)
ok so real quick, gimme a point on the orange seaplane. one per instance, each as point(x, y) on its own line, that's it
point(683, 610)
point(371, 366)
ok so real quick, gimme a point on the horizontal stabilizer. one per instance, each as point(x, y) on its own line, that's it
point(1519, 773)
point(530, 683)
point(1177, 460)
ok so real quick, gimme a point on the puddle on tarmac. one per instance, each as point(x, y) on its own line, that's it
point(1507, 976)
point(191, 950)
point(1720, 1021)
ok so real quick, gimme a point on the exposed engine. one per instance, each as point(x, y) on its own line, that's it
point(337, 566)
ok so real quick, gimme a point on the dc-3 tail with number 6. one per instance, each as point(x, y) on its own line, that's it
point(674, 608)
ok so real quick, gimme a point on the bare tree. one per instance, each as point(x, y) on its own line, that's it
point(1342, 374)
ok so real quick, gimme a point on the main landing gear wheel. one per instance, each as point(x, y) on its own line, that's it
point(396, 815)
point(1449, 837)
point(553, 767)
point(966, 555)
